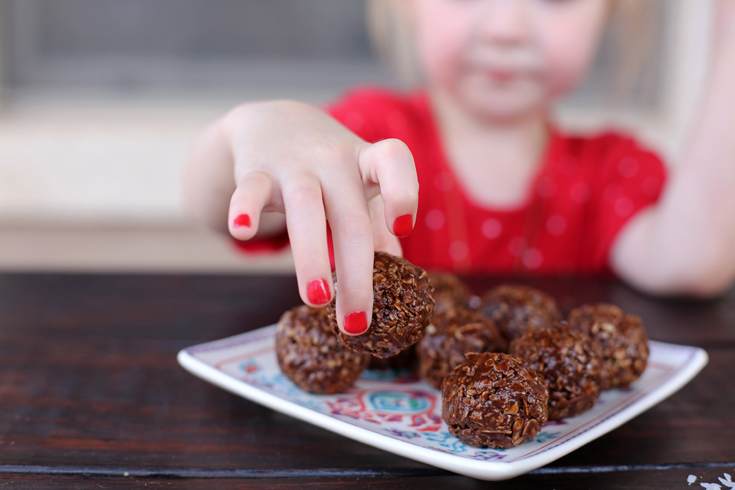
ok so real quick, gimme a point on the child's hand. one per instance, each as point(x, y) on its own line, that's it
point(292, 158)
point(684, 244)
point(725, 19)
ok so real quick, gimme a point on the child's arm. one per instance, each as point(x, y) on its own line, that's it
point(290, 158)
point(686, 244)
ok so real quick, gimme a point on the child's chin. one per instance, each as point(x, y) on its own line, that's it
point(504, 105)
point(501, 111)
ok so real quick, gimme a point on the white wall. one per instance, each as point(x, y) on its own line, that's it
point(81, 158)
point(93, 160)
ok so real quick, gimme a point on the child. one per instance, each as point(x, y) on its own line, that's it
point(501, 189)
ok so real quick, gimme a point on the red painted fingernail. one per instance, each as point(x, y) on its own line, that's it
point(356, 323)
point(318, 292)
point(242, 220)
point(403, 226)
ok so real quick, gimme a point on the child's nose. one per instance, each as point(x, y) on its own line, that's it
point(505, 21)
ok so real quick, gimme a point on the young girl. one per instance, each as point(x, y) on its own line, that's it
point(502, 190)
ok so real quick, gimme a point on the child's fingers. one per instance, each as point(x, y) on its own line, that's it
point(248, 200)
point(390, 165)
point(349, 219)
point(383, 240)
point(307, 231)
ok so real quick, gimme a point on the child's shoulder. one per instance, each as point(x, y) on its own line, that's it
point(611, 161)
point(375, 113)
point(609, 153)
point(605, 145)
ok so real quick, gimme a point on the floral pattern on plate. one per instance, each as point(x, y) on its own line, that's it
point(387, 408)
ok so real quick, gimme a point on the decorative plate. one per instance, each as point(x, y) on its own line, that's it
point(400, 414)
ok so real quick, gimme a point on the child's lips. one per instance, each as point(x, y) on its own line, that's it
point(500, 75)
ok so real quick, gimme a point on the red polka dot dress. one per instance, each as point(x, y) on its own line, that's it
point(586, 189)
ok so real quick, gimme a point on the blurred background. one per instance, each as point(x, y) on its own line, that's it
point(100, 100)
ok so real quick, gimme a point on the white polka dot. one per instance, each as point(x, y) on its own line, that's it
point(546, 187)
point(579, 192)
point(458, 250)
point(443, 181)
point(651, 186)
point(612, 192)
point(628, 167)
point(623, 207)
point(396, 121)
point(556, 225)
point(532, 258)
point(435, 219)
point(491, 228)
point(354, 120)
point(515, 245)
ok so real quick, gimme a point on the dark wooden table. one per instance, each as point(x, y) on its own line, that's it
point(91, 395)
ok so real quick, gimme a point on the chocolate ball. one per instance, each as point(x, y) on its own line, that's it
point(451, 334)
point(494, 400)
point(515, 309)
point(403, 360)
point(311, 356)
point(621, 338)
point(449, 291)
point(569, 361)
point(402, 308)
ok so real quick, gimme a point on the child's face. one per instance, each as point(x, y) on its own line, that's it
point(503, 59)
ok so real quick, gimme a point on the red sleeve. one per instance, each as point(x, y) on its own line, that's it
point(262, 245)
point(628, 179)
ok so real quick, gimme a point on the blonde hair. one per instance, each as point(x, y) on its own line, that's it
point(630, 44)
point(392, 36)
point(635, 39)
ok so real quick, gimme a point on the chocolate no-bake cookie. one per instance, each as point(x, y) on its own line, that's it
point(494, 400)
point(402, 308)
point(452, 333)
point(569, 361)
point(404, 359)
point(621, 338)
point(515, 309)
point(449, 291)
point(311, 356)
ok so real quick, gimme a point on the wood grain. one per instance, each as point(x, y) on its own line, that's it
point(635, 479)
point(90, 388)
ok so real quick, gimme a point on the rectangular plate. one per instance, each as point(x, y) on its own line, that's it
point(400, 414)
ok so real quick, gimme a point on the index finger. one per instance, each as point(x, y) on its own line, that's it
point(349, 219)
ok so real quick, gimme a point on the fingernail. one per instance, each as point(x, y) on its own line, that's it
point(403, 225)
point(242, 220)
point(318, 292)
point(356, 323)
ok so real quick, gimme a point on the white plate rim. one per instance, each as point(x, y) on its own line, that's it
point(484, 470)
